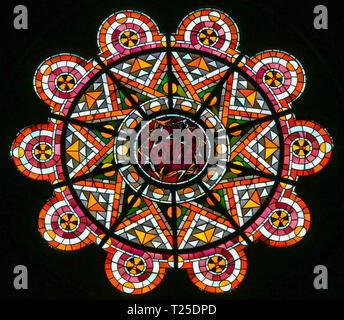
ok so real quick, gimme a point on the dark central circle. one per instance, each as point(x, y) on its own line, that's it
point(172, 149)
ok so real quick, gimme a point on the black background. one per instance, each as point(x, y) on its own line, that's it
point(72, 26)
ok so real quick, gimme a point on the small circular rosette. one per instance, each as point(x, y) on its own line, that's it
point(208, 30)
point(62, 226)
point(134, 273)
point(127, 32)
point(308, 146)
point(36, 151)
point(217, 270)
point(286, 222)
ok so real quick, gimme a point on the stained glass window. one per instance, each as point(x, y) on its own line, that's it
point(155, 202)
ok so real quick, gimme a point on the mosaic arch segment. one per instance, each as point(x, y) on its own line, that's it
point(149, 216)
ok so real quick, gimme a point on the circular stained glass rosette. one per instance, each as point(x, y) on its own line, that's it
point(172, 152)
